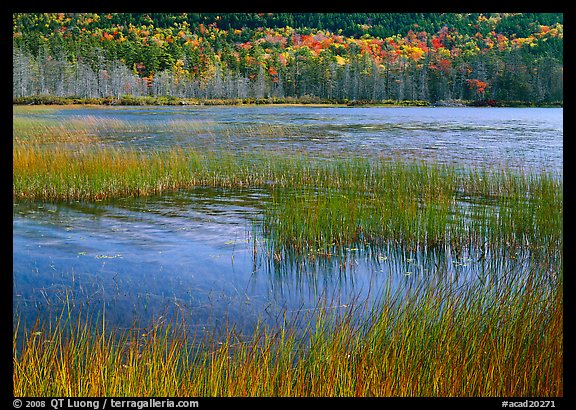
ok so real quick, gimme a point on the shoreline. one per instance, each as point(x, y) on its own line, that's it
point(280, 102)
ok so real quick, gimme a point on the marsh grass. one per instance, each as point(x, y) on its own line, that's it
point(316, 203)
point(498, 337)
point(503, 338)
point(39, 131)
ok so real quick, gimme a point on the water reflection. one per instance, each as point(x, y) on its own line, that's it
point(200, 254)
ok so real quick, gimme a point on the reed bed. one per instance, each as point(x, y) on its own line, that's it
point(41, 131)
point(412, 212)
point(317, 203)
point(503, 338)
point(28, 128)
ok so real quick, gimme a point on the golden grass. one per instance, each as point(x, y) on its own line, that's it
point(497, 340)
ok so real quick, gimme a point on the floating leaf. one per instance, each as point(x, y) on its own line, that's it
point(108, 256)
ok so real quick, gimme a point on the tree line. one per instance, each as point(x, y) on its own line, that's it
point(430, 57)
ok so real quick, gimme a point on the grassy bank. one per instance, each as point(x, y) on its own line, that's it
point(502, 339)
point(170, 100)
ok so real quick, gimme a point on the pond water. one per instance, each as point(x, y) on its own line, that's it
point(200, 253)
point(527, 137)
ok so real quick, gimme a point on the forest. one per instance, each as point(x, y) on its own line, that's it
point(337, 57)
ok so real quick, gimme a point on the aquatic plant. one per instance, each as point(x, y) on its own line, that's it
point(502, 338)
point(499, 336)
point(316, 203)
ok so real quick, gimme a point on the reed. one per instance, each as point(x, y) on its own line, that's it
point(317, 203)
point(503, 338)
point(358, 203)
point(500, 336)
point(36, 131)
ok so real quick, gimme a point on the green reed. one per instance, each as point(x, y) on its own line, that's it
point(316, 203)
point(502, 338)
point(366, 202)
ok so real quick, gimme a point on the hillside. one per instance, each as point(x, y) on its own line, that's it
point(362, 56)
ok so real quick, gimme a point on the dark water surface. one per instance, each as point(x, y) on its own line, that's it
point(200, 252)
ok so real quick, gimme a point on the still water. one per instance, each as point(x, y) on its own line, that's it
point(200, 253)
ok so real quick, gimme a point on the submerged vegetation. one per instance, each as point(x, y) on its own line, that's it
point(500, 335)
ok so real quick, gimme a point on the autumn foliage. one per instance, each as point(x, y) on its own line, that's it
point(304, 60)
point(477, 85)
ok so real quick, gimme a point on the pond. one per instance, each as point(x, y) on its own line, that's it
point(527, 137)
point(201, 253)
